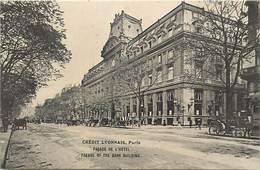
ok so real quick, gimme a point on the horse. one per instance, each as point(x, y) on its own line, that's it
point(19, 123)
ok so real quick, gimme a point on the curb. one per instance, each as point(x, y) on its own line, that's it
point(3, 164)
point(238, 137)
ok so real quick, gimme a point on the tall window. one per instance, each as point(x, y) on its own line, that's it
point(159, 76)
point(150, 62)
point(170, 102)
point(170, 95)
point(135, 105)
point(142, 49)
point(170, 32)
point(113, 63)
point(160, 58)
point(150, 104)
point(128, 110)
point(159, 103)
point(218, 72)
point(170, 73)
point(198, 70)
point(150, 44)
point(170, 54)
point(159, 97)
point(143, 82)
point(142, 105)
point(159, 39)
point(150, 78)
point(198, 95)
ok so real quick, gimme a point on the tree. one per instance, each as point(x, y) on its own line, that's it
point(224, 45)
point(32, 49)
point(132, 80)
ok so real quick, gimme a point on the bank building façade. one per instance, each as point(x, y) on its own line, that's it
point(173, 95)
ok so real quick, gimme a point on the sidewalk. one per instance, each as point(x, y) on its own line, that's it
point(4, 139)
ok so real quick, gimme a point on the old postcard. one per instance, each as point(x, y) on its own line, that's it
point(130, 84)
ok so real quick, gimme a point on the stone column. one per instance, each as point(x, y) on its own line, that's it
point(164, 114)
point(145, 108)
point(224, 106)
point(154, 106)
point(137, 108)
point(131, 107)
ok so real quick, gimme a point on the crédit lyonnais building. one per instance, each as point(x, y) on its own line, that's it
point(173, 95)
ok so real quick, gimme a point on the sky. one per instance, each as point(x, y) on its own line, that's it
point(88, 26)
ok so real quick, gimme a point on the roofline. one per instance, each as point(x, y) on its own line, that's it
point(175, 10)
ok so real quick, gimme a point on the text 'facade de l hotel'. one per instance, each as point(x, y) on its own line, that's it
point(159, 50)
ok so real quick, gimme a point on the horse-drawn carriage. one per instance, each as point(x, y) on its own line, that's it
point(242, 127)
point(19, 122)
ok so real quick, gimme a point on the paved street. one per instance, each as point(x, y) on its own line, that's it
point(59, 146)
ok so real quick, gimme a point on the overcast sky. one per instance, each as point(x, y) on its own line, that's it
point(88, 26)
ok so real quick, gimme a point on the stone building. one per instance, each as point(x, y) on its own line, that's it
point(158, 48)
point(251, 72)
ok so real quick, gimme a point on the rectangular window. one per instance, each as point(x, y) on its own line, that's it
point(170, 32)
point(160, 58)
point(198, 70)
point(170, 95)
point(159, 76)
point(143, 81)
point(159, 39)
point(170, 73)
point(150, 44)
point(142, 49)
point(170, 102)
point(150, 63)
point(159, 103)
point(218, 72)
point(198, 95)
point(159, 97)
point(150, 98)
point(150, 104)
point(170, 54)
point(150, 78)
point(195, 15)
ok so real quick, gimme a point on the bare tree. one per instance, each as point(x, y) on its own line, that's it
point(133, 78)
point(223, 46)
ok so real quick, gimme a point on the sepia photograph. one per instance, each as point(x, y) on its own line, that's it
point(128, 84)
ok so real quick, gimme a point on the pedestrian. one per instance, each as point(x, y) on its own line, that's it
point(199, 123)
point(164, 123)
point(5, 123)
point(179, 122)
point(190, 121)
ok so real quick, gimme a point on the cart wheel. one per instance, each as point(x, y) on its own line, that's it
point(222, 132)
point(235, 133)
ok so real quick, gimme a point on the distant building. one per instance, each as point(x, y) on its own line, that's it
point(174, 95)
